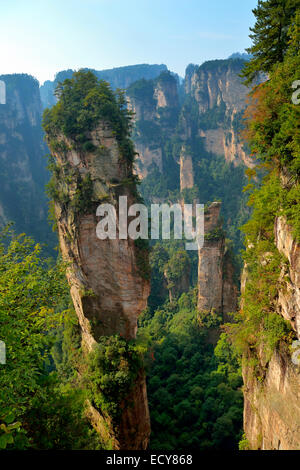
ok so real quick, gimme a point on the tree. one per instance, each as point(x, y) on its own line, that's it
point(35, 411)
point(269, 35)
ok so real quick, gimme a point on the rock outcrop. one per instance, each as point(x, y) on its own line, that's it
point(271, 403)
point(186, 169)
point(108, 277)
point(271, 408)
point(221, 99)
point(156, 105)
point(216, 288)
point(22, 157)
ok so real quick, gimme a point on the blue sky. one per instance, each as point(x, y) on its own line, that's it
point(41, 37)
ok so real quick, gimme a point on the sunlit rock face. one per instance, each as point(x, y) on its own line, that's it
point(107, 278)
point(186, 169)
point(221, 99)
point(156, 107)
point(271, 404)
point(216, 288)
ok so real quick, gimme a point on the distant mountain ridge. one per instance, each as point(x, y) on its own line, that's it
point(118, 77)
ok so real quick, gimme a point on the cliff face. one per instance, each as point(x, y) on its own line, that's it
point(209, 109)
point(156, 105)
point(108, 278)
point(22, 156)
point(187, 135)
point(221, 99)
point(271, 406)
point(216, 288)
point(186, 169)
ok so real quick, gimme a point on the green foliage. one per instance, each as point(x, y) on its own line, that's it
point(258, 325)
point(216, 234)
point(273, 119)
point(142, 90)
point(57, 420)
point(176, 267)
point(11, 432)
point(35, 411)
point(82, 198)
point(194, 393)
point(273, 133)
point(142, 257)
point(213, 117)
point(269, 35)
point(110, 372)
point(83, 102)
point(244, 443)
point(273, 130)
point(66, 350)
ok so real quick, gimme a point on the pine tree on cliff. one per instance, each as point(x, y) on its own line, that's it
point(269, 35)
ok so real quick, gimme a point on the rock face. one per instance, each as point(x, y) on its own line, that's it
point(22, 156)
point(208, 108)
point(271, 410)
point(186, 169)
point(289, 298)
point(271, 406)
point(156, 105)
point(109, 288)
point(221, 99)
point(216, 288)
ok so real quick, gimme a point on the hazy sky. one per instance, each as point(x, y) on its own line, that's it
point(41, 37)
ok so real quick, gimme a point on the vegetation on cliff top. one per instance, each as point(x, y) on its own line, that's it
point(273, 133)
point(110, 372)
point(84, 101)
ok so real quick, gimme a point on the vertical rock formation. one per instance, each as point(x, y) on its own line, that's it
point(156, 105)
point(22, 158)
point(216, 288)
point(188, 137)
point(186, 169)
point(108, 278)
point(221, 99)
point(272, 401)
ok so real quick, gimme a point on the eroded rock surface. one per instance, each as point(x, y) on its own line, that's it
point(272, 402)
point(216, 288)
point(109, 287)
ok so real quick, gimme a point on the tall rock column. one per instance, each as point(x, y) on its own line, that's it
point(108, 278)
point(216, 288)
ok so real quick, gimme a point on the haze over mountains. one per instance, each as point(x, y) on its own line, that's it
point(23, 112)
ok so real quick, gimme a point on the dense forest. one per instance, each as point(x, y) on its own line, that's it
point(193, 359)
